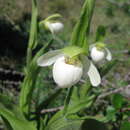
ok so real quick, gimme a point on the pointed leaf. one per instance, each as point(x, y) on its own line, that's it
point(63, 123)
point(15, 122)
point(81, 30)
point(111, 113)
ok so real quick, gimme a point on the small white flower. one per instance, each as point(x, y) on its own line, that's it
point(66, 75)
point(67, 71)
point(99, 52)
point(54, 27)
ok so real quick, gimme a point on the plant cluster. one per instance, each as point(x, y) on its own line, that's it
point(75, 68)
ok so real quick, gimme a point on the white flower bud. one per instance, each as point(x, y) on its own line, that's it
point(97, 55)
point(55, 27)
point(66, 75)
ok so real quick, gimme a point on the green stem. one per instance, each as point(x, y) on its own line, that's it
point(29, 82)
point(33, 31)
point(67, 100)
point(32, 69)
point(29, 56)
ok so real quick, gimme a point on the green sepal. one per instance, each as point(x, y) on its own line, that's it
point(54, 16)
point(50, 19)
point(100, 45)
point(72, 51)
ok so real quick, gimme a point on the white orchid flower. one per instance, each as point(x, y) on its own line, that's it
point(54, 27)
point(99, 52)
point(52, 24)
point(69, 66)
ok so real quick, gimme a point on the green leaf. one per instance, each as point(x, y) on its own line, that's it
point(111, 113)
point(63, 123)
point(107, 67)
point(26, 94)
point(15, 122)
point(82, 104)
point(100, 34)
point(6, 123)
point(74, 122)
point(43, 122)
point(28, 84)
point(81, 30)
point(125, 126)
point(73, 51)
point(6, 101)
point(117, 101)
point(84, 90)
point(99, 118)
point(80, 99)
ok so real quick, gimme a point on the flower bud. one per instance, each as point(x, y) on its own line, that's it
point(55, 27)
point(97, 55)
point(66, 75)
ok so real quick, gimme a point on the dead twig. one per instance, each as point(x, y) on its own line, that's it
point(52, 110)
point(118, 90)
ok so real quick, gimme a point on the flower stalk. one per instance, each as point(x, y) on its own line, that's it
point(31, 68)
point(67, 100)
point(33, 32)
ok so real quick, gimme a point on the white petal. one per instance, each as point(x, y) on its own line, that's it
point(66, 75)
point(109, 55)
point(55, 27)
point(94, 75)
point(49, 58)
point(97, 55)
point(86, 65)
